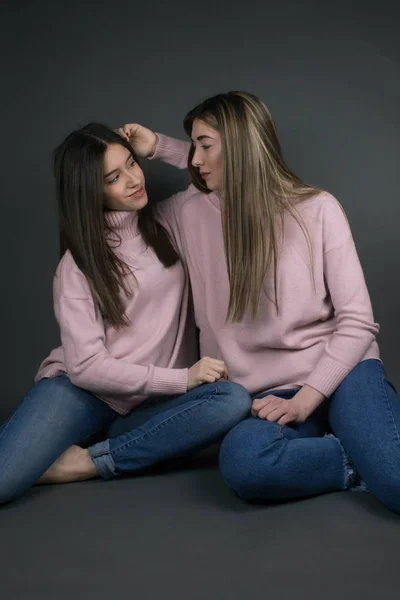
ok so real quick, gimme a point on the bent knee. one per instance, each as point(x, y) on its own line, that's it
point(237, 398)
point(246, 464)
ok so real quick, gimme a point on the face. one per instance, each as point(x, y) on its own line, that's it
point(208, 154)
point(123, 180)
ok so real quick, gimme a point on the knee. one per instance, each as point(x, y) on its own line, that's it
point(239, 460)
point(236, 399)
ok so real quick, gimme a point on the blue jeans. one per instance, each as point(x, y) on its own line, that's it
point(55, 414)
point(263, 460)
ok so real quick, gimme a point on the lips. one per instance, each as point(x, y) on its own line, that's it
point(138, 194)
point(204, 174)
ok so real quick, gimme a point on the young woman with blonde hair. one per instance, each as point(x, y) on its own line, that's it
point(280, 297)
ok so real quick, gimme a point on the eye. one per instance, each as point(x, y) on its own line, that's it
point(206, 147)
point(131, 164)
point(114, 179)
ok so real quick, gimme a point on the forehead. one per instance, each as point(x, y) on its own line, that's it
point(115, 156)
point(200, 128)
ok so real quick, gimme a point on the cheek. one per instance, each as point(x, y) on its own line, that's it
point(138, 173)
point(113, 194)
point(217, 162)
point(118, 189)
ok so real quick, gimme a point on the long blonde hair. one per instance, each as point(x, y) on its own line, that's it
point(258, 188)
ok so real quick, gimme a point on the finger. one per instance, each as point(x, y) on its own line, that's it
point(255, 410)
point(215, 369)
point(129, 130)
point(272, 413)
point(208, 379)
point(214, 361)
point(268, 404)
point(266, 400)
point(134, 130)
point(277, 414)
point(258, 403)
point(288, 418)
point(265, 411)
point(214, 373)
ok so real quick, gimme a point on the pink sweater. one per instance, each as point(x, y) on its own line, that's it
point(320, 333)
point(151, 355)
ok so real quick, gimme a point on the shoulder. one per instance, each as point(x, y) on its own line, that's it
point(323, 210)
point(325, 219)
point(178, 203)
point(322, 206)
point(69, 281)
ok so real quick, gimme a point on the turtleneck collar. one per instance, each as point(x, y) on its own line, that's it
point(124, 223)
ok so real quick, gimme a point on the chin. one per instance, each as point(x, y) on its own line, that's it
point(142, 202)
point(212, 187)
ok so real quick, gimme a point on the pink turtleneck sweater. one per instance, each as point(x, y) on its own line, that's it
point(149, 356)
point(320, 333)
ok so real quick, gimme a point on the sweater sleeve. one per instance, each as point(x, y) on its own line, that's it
point(174, 152)
point(356, 329)
point(87, 361)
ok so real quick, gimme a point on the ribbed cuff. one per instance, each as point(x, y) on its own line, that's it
point(327, 375)
point(172, 151)
point(169, 381)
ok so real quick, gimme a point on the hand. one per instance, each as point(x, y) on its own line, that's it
point(143, 140)
point(206, 370)
point(297, 410)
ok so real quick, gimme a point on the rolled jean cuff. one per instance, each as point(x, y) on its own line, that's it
point(103, 461)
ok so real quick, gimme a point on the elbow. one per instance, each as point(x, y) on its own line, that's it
point(79, 376)
point(358, 325)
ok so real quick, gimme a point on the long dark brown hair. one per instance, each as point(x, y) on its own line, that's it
point(257, 189)
point(84, 231)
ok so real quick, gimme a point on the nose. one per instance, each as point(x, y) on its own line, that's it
point(133, 179)
point(197, 159)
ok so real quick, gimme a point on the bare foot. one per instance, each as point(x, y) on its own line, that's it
point(74, 464)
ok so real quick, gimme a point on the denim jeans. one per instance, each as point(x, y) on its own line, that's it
point(56, 414)
point(264, 460)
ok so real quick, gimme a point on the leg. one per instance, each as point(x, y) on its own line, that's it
point(365, 415)
point(54, 415)
point(264, 460)
point(173, 427)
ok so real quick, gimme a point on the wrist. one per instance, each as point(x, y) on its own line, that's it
point(154, 147)
point(309, 398)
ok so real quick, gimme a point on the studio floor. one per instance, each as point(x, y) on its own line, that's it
point(181, 533)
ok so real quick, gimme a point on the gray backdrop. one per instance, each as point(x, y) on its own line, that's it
point(329, 72)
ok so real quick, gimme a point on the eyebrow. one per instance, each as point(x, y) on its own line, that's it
point(203, 137)
point(115, 170)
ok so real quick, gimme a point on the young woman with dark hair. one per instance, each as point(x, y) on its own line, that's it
point(128, 342)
